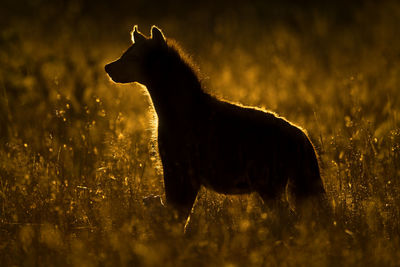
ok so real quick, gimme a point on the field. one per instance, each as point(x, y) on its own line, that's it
point(77, 157)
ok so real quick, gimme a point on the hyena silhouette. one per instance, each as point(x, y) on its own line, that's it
point(204, 141)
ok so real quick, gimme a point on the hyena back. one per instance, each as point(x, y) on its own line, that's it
point(202, 140)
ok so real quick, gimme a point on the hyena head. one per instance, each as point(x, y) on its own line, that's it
point(132, 65)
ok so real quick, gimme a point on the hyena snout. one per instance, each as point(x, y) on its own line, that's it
point(108, 68)
point(118, 72)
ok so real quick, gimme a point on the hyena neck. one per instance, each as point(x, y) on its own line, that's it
point(174, 87)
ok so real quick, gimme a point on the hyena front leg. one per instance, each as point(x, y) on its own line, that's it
point(180, 192)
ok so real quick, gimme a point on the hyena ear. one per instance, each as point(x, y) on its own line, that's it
point(137, 37)
point(157, 35)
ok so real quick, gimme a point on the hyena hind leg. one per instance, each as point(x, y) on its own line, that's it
point(305, 186)
point(307, 196)
point(273, 198)
point(280, 218)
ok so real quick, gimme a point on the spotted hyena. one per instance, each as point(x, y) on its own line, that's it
point(204, 141)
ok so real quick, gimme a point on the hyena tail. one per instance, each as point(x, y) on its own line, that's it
point(306, 186)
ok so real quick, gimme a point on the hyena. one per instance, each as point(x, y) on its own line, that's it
point(205, 141)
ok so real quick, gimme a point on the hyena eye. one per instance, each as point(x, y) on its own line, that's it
point(129, 54)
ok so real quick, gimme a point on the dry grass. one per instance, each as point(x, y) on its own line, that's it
point(76, 158)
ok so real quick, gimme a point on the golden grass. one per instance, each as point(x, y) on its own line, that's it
point(76, 157)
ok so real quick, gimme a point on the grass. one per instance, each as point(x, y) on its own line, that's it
point(76, 156)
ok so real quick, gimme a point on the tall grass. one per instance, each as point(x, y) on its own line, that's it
point(76, 156)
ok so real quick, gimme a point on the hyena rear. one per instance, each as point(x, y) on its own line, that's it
point(202, 140)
